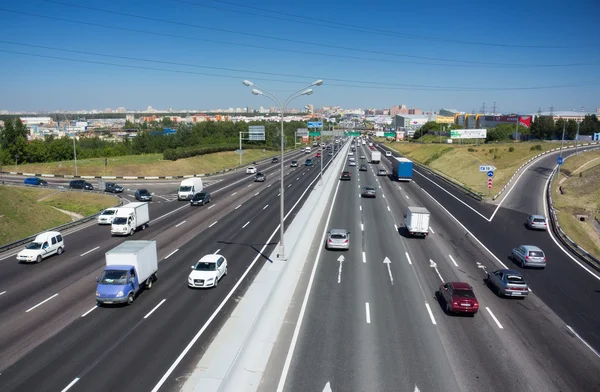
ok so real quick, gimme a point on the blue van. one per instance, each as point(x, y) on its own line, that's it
point(308, 162)
point(35, 181)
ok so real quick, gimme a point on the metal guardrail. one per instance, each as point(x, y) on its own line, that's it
point(577, 250)
point(66, 226)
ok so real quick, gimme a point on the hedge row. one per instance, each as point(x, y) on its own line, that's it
point(173, 154)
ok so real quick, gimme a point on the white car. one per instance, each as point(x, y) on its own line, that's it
point(107, 216)
point(44, 245)
point(251, 170)
point(388, 153)
point(352, 163)
point(208, 271)
point(350, 154)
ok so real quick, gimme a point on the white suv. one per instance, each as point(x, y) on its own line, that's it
point(44, 245)
point(251, 170)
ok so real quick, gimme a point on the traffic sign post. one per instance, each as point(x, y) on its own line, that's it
point(486, 168)
point(489, 184)
point(490, 173)
point(255, 133)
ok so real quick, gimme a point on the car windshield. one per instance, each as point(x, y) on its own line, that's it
point(464, 293)
point(185, 188)
point(199, 196)
point(144, 192)
point(119, 221)
point(34, 246)
point(338, 236)
point(109, 212)
point(204, 266)
point(369, 188)
point(115, 277)
point(536, 253)
point(515, 279)
point(539, 220)
point(294, 161)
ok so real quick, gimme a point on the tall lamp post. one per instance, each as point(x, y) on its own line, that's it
point(260, 91)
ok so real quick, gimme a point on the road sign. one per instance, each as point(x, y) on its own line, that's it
point(490, 173)
point(486, 168)
point(239, 151)
point(559, 160)
point(256, 132)
point(490, 183)
point(315, 124)
point(489, 186)
point(302, 132)
point(314, 133)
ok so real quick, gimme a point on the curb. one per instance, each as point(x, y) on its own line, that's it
point(69, 225)
point(577, 250)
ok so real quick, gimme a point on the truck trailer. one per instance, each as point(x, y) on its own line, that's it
point(130, 266)
point(129, 218)
point(416, 221)
point(402, 169)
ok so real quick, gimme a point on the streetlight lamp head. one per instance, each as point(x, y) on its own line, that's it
point(307, 92)
point(248, 83)
point(317, 82)
point(256, 92)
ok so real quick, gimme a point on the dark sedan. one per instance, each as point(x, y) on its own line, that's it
point(200, 199)
point(260, 177)
point(112, 187)
point(143, 195)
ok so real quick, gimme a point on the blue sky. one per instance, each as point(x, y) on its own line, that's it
point(379, 53)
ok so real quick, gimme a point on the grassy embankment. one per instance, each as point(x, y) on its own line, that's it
point(580, 181)
point(461, 162)
point(147, 165)
point(25, 211)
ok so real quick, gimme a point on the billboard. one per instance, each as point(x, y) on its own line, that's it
point(315, 124)
point(305, 139)
point(468, 134)
point(256, 133)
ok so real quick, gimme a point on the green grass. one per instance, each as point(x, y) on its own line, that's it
point(22, 214)
point(147, 165)
point(580, 180)
point(461, 162)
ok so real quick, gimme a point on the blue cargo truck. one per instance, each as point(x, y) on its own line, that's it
point(402, 169)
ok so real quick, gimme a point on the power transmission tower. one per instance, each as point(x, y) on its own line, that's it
point(552, 111)
point(494, 109)
point(483, 108)
point(539, 111)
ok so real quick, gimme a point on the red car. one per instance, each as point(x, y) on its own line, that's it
point(459, 297)
point(318, 155)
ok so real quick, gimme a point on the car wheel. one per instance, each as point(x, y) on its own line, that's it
point(216, 281)
point(225, 271)
point(448, 310)
point(149, 283)
point(39, 259)
point(59, 251)
point(130, 299)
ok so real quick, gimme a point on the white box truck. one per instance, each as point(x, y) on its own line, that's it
point(129, 218)
point(130, 266)
point(416, 221)
point(375, 157)
point(189, 187)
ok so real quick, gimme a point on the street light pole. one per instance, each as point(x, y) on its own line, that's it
point(304, 91)
point(561, 146)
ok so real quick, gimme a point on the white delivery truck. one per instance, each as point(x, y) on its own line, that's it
point(189, 187)
point(130, 266)
point(375, 157)
point(129, 218)
point(416, 221)
point(307, 150)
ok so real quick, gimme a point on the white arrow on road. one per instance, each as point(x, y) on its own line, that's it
point(479, 265)
point(328, 386)
point(433, 265)
point(388, 262)
point(417, 388)
point(341, 260)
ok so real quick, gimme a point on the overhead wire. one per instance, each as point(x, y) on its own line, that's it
point(328, 46)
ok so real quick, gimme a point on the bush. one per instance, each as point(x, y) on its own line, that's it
point(173, 154)
point(471, 149)
point(511, 149)
point(537, 147)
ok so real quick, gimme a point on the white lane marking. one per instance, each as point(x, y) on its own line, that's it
point(358, 186)
point(41, 303)
point(289, 185)
point(4, 292)
point(395, 227)
point(408, 258)
point(249, 186)
point(279, 194)
point(268, 186)
point(172, 253)
point(217, 311)
point(179, 224)
point(364, 257)
point(70, 385)
point(388, 262)
point(247, 223)
point(430, 313)
point(89, 251)
point(212, 224)
point(554, 239)
point(452, 258)
point(234, 193)
point(156, 307)
point(465, 204)
point(211, 207)
point(360, 208)
point(368, 313)
point(583, 341)
point(399, 188)
point(467, 230)
point(433, 265)
point(217, 251)
point(297, 178)
point(257, 193)
point(265, 207)
point(388, 207)
point(89, 311)
point(430, 229)
point(407, 197)
point(494, 317)
point(341, 260)
point(362, 227)
point(237, 207)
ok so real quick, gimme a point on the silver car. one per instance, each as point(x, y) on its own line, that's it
point(381, 172)
point(529, 256)
point(537, 222)
point(508, 283)
point(338, 239)
point(369, 191)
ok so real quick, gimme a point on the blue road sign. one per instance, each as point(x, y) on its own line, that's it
point(559, 160)
point(315, 124)
point(491, 173)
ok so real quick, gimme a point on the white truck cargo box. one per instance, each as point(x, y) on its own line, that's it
point(141, 255)
point(416, 221)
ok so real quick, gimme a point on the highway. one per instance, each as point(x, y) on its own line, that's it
point(376, 326)
point(52, 333)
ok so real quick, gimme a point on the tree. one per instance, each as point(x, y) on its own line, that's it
point(571, 131)
point(542, 127)
point(589, 125)
point(13, 139)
